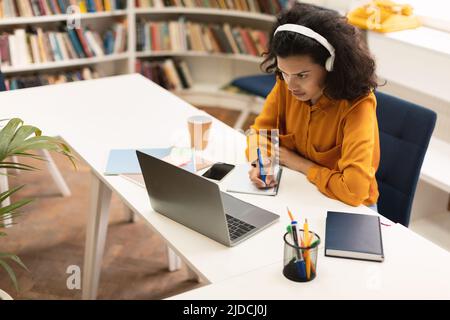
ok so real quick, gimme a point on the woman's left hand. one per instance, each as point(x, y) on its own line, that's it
point(294, 161)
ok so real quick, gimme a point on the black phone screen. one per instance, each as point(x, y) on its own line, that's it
point(218, 171)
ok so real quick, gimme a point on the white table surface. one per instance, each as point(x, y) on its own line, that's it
point(414, 269)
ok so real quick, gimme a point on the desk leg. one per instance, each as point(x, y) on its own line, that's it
point(174, 260)
point(194, 276)
point(14, 159)
point(97, 226)
point(130, 214)
point(241, 119)
point(56, 174)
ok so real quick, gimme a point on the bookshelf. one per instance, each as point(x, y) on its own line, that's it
point(59, 17)
point(99, 21)
point(65, 64)
point(184, 54)
point(234, 14)
point(210, 71)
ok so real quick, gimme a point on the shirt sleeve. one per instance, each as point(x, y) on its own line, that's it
point(350, 183)
point(267, 119)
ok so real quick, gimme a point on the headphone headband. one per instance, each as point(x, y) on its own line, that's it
point(311, 34)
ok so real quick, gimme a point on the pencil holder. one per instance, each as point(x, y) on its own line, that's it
point(300, 261)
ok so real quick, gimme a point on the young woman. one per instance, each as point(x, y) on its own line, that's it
point(322, 104)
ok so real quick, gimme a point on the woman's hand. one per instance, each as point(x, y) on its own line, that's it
point(294, 161)
point(255, 176)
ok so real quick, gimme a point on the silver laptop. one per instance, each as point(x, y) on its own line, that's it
point(198, 203)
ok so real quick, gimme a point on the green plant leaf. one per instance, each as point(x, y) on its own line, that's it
point(10, 192)
point(12, 216)
point(9, 215)
point(14, 206)
point(9, 212)
point(17, 139)
point(6, 134)
point(17, 165)
point(36, 143)
point(30, 155)
point(22, 134)
point(60, 148)
point(10, 272)
point(14, 167)
point(14, 258)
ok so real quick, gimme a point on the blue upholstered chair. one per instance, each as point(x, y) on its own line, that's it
point(259, 85)
point(405, 131)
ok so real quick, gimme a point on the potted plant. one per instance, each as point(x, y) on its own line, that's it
point(18, 139)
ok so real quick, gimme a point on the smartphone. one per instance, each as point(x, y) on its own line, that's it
point(218, 171)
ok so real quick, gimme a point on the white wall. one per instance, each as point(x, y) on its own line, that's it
point(415, 73)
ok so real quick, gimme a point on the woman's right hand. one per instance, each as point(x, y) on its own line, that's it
point(255, 177)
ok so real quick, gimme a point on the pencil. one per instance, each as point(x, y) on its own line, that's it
point(290, 214)
point(307, 242)
point(307, 257)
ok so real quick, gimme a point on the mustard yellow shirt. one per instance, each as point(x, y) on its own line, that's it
point(339, 136)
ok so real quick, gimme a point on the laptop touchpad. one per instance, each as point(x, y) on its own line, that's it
point(244, 211)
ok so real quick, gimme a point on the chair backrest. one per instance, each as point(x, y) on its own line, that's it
point(405, 131)
point(2, 82)
point(259, 85)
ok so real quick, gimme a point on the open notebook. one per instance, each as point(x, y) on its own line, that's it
point(238, 181)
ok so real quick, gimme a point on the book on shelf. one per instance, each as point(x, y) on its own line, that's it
point(33, 45)
point(37, 8)
point(168, 73)
point(34, 80)
point(256, 6)
point(181, 35)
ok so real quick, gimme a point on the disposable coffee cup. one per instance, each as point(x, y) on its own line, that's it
point(199, 127)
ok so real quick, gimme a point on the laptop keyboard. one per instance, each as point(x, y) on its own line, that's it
point(237, 227)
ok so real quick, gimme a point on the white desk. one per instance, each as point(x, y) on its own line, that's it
point(414, 269)
point(96, 116)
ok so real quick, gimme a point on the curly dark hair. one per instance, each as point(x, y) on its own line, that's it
point(353, 73)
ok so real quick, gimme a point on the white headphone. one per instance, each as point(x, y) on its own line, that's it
point(314, 35)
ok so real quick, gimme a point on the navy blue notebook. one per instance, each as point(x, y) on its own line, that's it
point(354, 236)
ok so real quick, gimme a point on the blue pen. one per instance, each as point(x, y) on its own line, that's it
point(261, 169)
point(299, 262)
